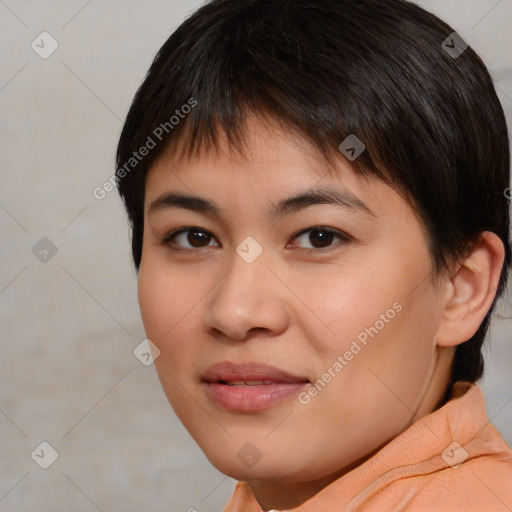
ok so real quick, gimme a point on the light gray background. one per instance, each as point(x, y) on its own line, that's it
point(70, 325)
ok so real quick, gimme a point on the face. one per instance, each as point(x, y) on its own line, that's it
point(292, 307)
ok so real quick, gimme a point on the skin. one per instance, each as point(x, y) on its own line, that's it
point(202, 304)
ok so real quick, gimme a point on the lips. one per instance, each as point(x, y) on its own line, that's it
point(249, 372)
point(248, 387)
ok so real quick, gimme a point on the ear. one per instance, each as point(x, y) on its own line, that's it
point(471, 291)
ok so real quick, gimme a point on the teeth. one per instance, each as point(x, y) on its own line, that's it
point(249, 382)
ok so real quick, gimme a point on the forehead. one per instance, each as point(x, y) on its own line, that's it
point(269, 154)
point(271, 171)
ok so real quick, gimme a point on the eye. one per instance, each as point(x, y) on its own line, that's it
point(320, 237)
point(194, 236)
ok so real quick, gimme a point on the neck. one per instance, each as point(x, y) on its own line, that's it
point(274, 494)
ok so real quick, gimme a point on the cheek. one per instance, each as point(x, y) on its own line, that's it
point(153, 301)
point(346, 304)
point(166, 302)
point(377, 315)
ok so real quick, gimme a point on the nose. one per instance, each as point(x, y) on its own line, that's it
point(248, 298)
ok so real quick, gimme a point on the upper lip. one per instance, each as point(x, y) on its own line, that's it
point(251, 371)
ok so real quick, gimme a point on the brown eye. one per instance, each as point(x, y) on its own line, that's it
point(321, 238)
point(198, 238)
point(190, 237)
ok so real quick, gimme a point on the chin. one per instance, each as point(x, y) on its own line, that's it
point(264, 468)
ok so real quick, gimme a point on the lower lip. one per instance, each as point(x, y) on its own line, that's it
point(251, 398)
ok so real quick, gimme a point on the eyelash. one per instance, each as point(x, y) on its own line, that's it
point(184, 229)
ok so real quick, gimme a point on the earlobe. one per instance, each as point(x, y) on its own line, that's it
point(471, 291)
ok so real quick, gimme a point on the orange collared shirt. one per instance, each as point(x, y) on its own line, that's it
point(452, 460)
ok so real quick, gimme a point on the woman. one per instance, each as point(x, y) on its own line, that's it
point(320, 230)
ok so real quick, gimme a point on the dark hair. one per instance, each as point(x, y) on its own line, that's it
point(430, 120)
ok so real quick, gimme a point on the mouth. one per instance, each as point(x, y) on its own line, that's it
point(248, 387)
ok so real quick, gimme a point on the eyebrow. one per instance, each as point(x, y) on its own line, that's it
point(301, 201)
